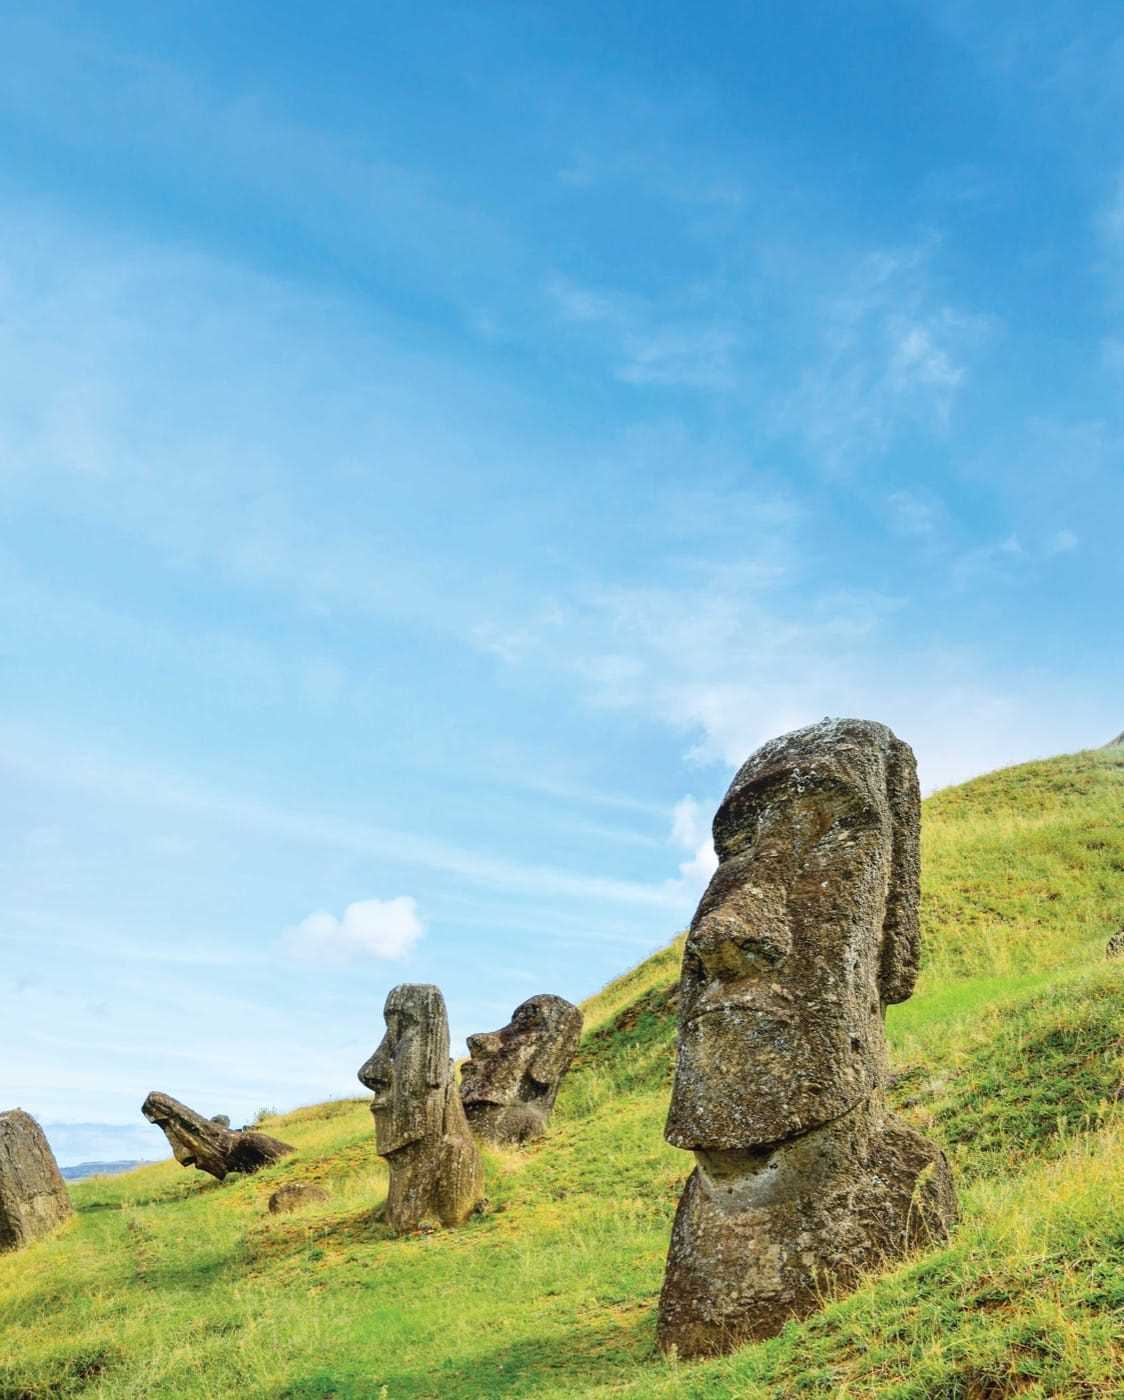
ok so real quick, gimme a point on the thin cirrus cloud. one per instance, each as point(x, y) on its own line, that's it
point(368, 928)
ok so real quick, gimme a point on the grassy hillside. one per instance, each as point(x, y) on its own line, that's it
point(1011, 1054)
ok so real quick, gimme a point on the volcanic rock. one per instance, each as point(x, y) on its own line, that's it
point(33, 1195)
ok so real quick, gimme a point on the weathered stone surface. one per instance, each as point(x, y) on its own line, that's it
point(1114, 948)
point(295, 1196)
point(808, 929)
point(420, 1127)
point(33, 1195)
point(510, 1081)
point(200, 1142)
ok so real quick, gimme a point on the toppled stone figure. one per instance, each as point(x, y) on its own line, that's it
point(33, 1195)
point(510, 1081)
point(201, 1142)
point(420, 1127)
point(806, 932)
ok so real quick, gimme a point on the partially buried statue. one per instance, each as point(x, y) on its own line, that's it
point(807, 931)
point(33, 1195)
point(420, 1127)
point(201, 1142)
point(510, 1081)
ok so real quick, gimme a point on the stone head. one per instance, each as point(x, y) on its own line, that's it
point(410, 1070)
point(806, 931)
point(523, 1062)
point(195, 1141)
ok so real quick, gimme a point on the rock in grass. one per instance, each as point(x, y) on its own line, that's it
point(803, 1180)
point(33, 1195)
point(510, 1081)
point(1114, 948)
point(295, 1196)
point(420, 1127)
point(200, 1142)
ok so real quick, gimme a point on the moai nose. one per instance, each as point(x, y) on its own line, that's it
point(483, 1043)
point(744, 942)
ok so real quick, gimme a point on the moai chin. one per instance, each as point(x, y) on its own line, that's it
point(33, 1195)
point(806, 932)
point(510, 1081)
point(201, 1142)
point(420, 1127)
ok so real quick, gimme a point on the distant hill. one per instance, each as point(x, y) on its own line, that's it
point(172, 1286)
point(1118, 741)
point(87, 1169)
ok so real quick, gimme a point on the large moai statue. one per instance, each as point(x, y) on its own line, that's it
point(510, 1081)
point(807, 931)
point(420, 1127)
point(201, 1142)
point(33, 1195)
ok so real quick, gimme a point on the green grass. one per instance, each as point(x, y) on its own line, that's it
point(1011, 1054)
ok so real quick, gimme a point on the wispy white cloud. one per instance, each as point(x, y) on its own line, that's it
point(915, 513)
point(377, 928)
point(889, 353)
point(731, 669)
point(666, 345)
point(47, 762)
point(691, 833)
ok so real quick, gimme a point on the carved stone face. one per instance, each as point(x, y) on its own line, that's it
point(796, 946)
point(195, 1141)
point(522, 1062)
point(409, 1071)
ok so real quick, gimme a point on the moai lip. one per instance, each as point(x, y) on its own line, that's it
point(33, 1195)
point(201, 1142)
point(510, 1081)
point(420, 1127)
point(807, 931)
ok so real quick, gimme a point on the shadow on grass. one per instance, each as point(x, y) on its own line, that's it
point(277, 1237)
point(565, 1363)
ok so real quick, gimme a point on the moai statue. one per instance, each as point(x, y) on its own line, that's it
point(201, 1142)
point(807, 931)
point(33, 1195)
point(510, 1081)
point(420, 1127)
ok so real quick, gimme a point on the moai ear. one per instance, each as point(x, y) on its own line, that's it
point(436, 1040)
point(901, 931)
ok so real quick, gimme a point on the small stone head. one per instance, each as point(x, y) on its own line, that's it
point(195, 1141)
point(410, 1071)
point(806, 931)
point(519, 1067)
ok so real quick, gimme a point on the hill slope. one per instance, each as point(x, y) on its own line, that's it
point(1010, 1053)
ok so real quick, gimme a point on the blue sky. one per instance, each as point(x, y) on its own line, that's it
point(438, 443)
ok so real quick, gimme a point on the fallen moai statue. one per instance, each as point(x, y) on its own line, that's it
point(806, 932)
point(200, 1142)
point(510, 1081)
point(420, 1127)
point(33, 1195)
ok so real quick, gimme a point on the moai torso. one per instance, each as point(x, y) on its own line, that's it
point(33, 1195)
point(510, 1081)
point(806, 932)
point(420, 1127)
